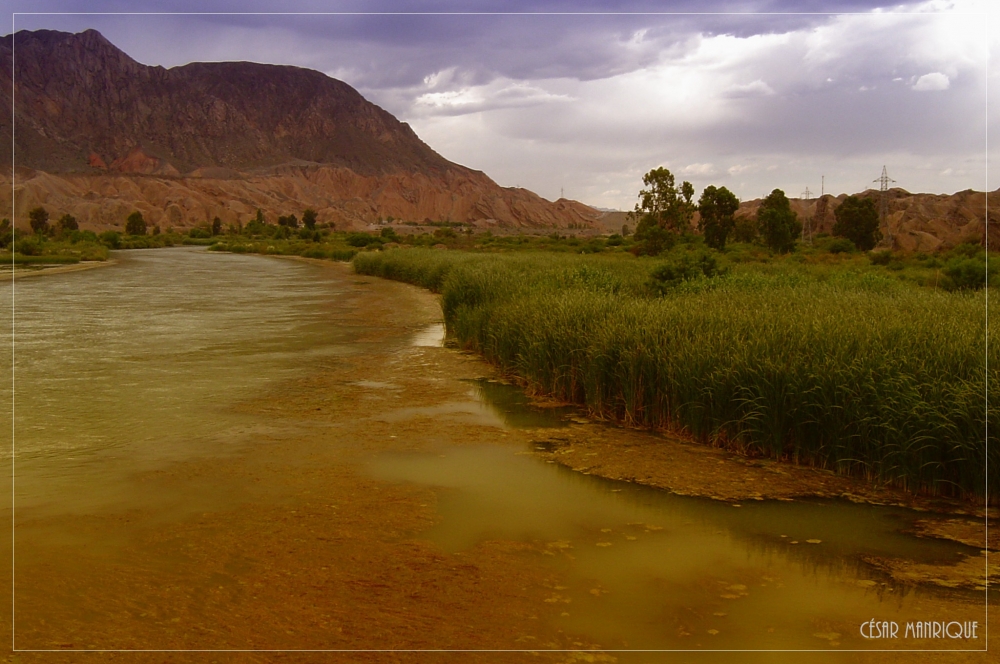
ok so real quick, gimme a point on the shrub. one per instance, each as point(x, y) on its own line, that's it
point(110, 239)
point(135, 224)
point(966, 273)
point(686, 267)
point(29, 246)
point(839, 246)
point(880, 257)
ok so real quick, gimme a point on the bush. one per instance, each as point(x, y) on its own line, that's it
point(839, 246)
point(135, 224)
point(684, 268)
point(362, 239)
point(110, 239)
point(880, 257)
point(966, 273)
point(29, 246)
point(199, 233)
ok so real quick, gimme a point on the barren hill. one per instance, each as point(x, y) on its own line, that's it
point(918, 222)
point(99, 134)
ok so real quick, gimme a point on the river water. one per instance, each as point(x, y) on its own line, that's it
point(178, 388)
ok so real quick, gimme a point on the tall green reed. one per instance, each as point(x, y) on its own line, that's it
point(857, 372)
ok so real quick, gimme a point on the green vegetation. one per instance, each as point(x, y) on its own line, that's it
point(717, 209)
point(857, 220)
point(135, 224)
point(663, 211)
point(846, 367)
point(777, 224)
point(39, 220)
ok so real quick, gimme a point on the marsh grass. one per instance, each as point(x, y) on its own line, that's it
point(851, 370)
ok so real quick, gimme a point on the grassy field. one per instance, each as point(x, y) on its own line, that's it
point(843, 365)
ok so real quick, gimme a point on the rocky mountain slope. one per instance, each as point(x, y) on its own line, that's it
point(99, 134)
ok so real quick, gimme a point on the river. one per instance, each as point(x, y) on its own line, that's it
point(234, 452)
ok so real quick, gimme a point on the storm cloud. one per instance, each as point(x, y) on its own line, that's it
point(587, 96)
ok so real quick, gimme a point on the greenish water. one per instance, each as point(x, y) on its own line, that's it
point(649, 569)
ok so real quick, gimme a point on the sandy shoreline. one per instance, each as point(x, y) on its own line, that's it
point(20, 273)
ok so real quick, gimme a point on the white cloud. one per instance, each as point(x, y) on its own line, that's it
point(932, 82)
point(698, 169)
point(756, 88)
point(498, 94)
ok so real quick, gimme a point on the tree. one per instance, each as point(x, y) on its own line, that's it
point(135, 224)
point(309, 218)
point(663, 211)
point(717, 208)
point(216, 226)
point(857, 220)
point(291, 221)
point(39, 218)
point(68, 222)
point(777, 223)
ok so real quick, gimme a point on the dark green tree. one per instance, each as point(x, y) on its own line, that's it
point(67, 223)
point(309, 218)
point(291, 221)
point(6, 233)
point(663, 211)
point(39, 218)
point(778, 225)
point(216, 226)
point(135, 224)
point(857, 220)
point(717, 208)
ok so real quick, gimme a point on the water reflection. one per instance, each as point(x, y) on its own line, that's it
point(515, 409)
point(656, 570)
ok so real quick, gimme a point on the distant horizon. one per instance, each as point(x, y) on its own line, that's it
point(753, 102)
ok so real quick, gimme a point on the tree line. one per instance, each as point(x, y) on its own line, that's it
point(665, 212)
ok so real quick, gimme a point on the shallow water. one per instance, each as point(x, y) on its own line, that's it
point(648, 569)
point(128, 369)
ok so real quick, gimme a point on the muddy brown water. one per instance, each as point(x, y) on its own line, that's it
point(244, 453)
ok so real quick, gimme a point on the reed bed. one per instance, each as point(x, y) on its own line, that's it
point(856, 372)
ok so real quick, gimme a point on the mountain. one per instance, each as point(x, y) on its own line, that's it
point(99, 134)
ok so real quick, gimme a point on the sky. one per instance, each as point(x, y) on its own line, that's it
point(582, 98)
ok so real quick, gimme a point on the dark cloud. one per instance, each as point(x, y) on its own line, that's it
point(769, 94)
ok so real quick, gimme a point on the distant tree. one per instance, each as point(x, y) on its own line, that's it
point(777, 223)
point(625, 230)
point(717, 208)
point(291, 221)
point(216, 226)
point(663, 211)
point(6, 234)
point(67, 223)
point(156, 229)
point(39, 218)
point(745, 229)
point(309, 218)
point(135, 224)
point(857, 220)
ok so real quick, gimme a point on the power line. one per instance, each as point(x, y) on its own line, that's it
point(807, 226)
point(883, 204)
